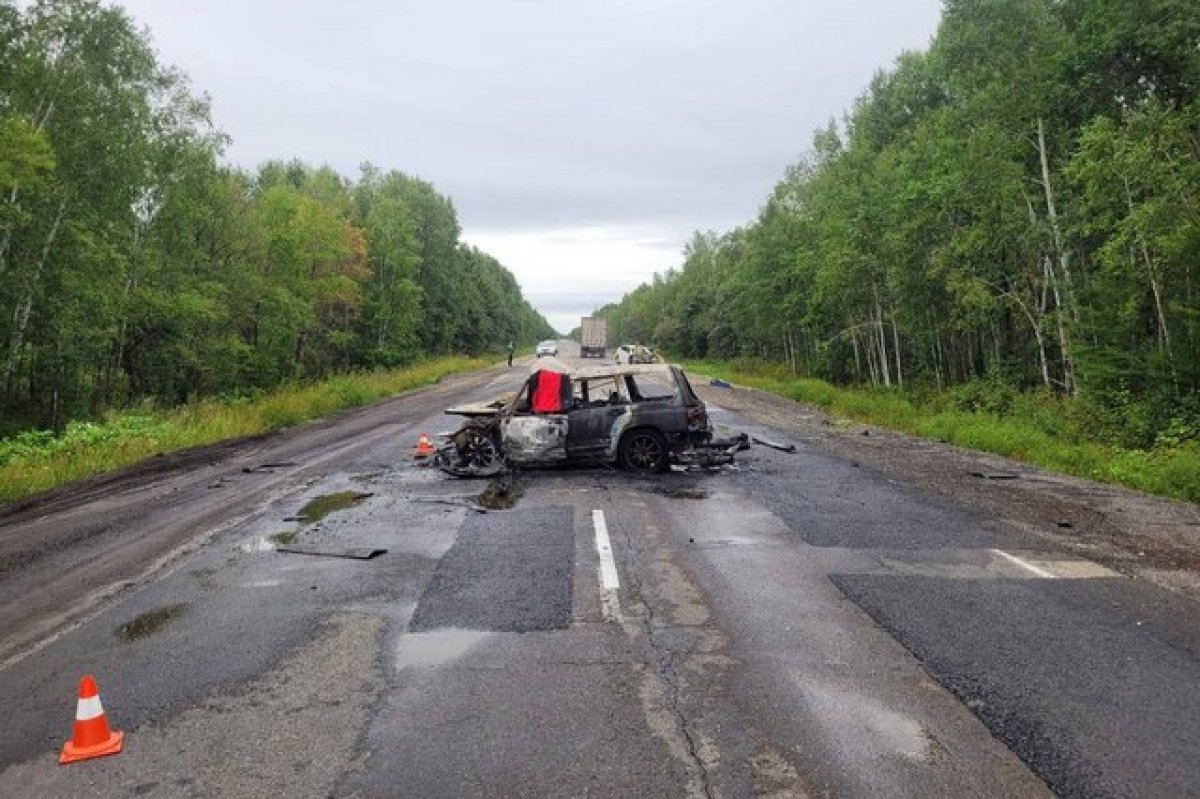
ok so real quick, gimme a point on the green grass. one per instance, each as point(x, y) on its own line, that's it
point(38, 460)
point(1035, 428)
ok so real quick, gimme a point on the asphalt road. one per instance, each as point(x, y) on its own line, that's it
point(801, 625)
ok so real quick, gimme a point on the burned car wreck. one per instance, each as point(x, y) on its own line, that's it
point(641, 417)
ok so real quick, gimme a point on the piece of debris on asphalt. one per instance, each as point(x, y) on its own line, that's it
point(865, 433)
point(149, 622)
point(719, 383)
point(736, 443)
point(995, 475)
point(1065, 524)
point(353, 553)
point(502, 493)
point(256, 470)
point(455, 501)
point(278, 465)
point(320, 507)
point(773, 444)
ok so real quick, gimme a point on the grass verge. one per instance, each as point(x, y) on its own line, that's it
point(38, 460)
point(1038, 430)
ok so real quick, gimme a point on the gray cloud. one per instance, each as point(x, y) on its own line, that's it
point(536, 115)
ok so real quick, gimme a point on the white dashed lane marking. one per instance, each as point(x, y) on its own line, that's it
point(1029, 567)
point(610, 602)
point(608, 567)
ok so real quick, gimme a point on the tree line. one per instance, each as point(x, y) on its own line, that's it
point(135, 266)
point(1020, 202)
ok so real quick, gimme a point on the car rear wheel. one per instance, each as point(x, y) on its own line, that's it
point(643, 451)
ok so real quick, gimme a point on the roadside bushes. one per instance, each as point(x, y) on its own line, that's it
point(38, 460)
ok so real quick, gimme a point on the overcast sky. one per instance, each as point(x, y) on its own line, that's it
point(580, 140)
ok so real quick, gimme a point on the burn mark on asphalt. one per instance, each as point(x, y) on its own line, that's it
point(502, 493)
point(682, 493)
point(150, 622)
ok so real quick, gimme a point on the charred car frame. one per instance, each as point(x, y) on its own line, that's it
point(640, 417)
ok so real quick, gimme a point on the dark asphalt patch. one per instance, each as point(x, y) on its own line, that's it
point(1095, 684)
point(506, 572)
point(831, 503)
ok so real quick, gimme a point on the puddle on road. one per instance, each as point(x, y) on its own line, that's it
point(502, 493)
point(435, 648)
point(283, 537)
point(320, 507)
point(150, 622)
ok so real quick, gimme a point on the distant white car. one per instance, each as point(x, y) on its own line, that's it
point(634, 353)
point(547, 348)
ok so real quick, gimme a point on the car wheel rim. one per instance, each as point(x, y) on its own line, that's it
point(481, 451)
point(644, 452)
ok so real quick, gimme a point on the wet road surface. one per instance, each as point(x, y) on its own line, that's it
point(799, 626)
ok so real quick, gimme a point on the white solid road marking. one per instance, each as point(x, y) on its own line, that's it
point(1023, 564)
point(608, 566)
point(610, 601)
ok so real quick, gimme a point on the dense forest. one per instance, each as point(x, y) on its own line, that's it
point(134, 266)
point(1018, 205)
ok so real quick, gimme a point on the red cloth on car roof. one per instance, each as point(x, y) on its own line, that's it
point(548, 390)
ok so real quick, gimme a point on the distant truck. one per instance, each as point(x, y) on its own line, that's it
point(592, 335)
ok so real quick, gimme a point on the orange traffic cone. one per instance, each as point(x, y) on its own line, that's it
point(92, 736)
point(424, 446)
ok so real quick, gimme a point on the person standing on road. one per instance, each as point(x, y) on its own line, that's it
point(512, 347)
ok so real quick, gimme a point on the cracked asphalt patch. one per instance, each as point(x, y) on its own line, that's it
point(291, 732)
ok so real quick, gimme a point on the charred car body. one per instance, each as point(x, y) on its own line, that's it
point(643, 418)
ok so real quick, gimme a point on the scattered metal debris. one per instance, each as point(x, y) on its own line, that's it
point(353, 553)
point(149, 622)
point(454, 501)
point(995, 475)
point(773, 444)
point(719, 383)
